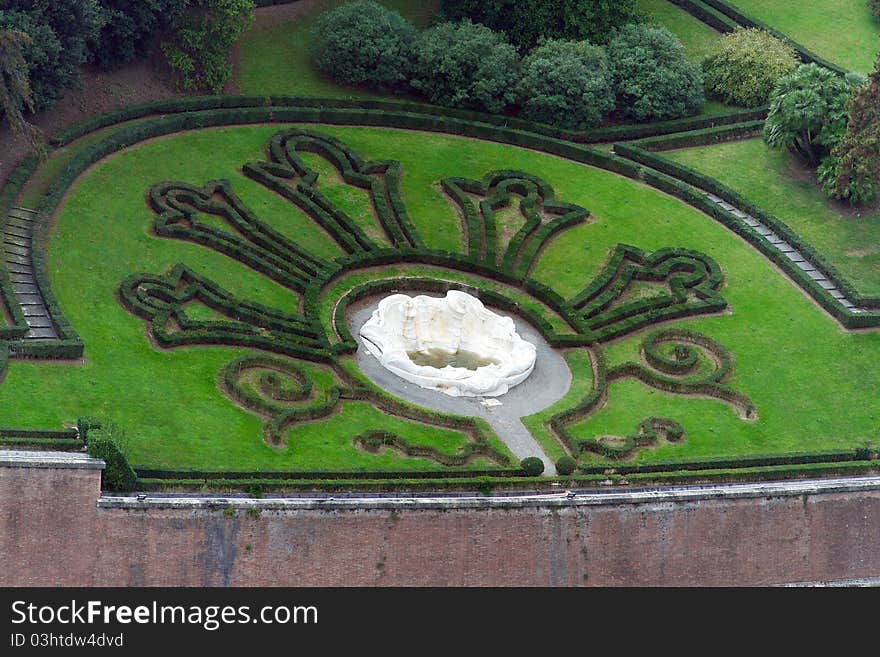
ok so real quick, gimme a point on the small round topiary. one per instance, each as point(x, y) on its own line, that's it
point(532, 466)
point(362, 42)
point(746, 66)
point(565, 465)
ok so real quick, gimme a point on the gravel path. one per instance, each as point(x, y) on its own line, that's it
point(548, 383)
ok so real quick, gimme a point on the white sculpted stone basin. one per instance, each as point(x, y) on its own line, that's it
point(452, 344)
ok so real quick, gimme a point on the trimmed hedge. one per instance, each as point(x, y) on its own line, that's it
point(684, 183)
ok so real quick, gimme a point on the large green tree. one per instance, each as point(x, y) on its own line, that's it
point(853, 172)
point(526, 21)
point(15, 87)
point(202, 38)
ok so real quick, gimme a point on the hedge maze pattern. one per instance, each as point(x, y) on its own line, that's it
point(634, 290)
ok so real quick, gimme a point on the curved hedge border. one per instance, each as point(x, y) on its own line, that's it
point(679, 375)
point(228, 115)
point(686, 183)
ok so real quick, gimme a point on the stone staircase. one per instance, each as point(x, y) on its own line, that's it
point(18, 232)
point(789, 252)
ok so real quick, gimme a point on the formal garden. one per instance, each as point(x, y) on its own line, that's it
point(677, 199)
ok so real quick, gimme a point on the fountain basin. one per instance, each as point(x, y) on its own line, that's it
point(451, 344)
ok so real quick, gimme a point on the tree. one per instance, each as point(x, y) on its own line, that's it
point(654, 80)
point(129, 28)
point(746, 65)
point(362, 42)
point(202, 38)
point(465, 65)
point(808, 112)
point(15, 88)
point(853, 171)
point(566, 83)
point(526, 22)
point(61, 35)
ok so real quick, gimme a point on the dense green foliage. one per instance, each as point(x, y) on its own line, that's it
point(808, 112)
point(365, 44)
point(15, 87)
point(532, 466)
point(567, 84)
point(565, 465)
point(61, 34)
point(875, 8)
point(526, 21)
point(465, 65)
point(653, 77)
point(853, 171)
point(129, 28)
point(745, 66)
point(105, 440)
point(199, 47)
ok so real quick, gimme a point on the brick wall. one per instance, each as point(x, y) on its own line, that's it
point(52, 533)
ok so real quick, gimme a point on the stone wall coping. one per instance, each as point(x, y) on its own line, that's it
point(20, 458)
point(566, 498)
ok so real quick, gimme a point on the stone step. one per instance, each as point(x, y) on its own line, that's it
point(34, 311)
point(15, 231)
point(26, 218)
point(18, 208)
point(17, 250)
point(15, 240)
point(17, 259)
point(41, 334)
point(38, 321)
point(30, 300)
point(23, 278)
point(25, 288)
point(20, 269)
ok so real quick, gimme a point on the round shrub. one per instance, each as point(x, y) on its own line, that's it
point(567, 84)
point(532, 466)
point(362, 42)
point(746, 65)
point(565, 465)
point(652, 75)
point(465, 65)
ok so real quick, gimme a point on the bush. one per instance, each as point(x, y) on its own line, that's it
point(875, 8)
point(652, 75)
point(532, 466)
point(746, 66)
point(363, 43)
point(203, 35)
point(566, 465)
point(808, 112)
point(466, 65)
point(525, 22)
point(567, 84)
point(129, 27)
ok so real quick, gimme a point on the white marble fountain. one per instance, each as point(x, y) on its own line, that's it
point(451, 344)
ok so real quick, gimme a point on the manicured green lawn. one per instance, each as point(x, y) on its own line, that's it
point(772, 179)
point(842, 31)
point(805, 374)
point(275, 59)
point(698, 38)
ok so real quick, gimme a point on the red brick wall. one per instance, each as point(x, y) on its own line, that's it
point(51, 533)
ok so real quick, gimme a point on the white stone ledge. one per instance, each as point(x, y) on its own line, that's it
point(615, 496)
point(13, 458)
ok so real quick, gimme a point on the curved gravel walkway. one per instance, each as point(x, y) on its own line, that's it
point(547, 384)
